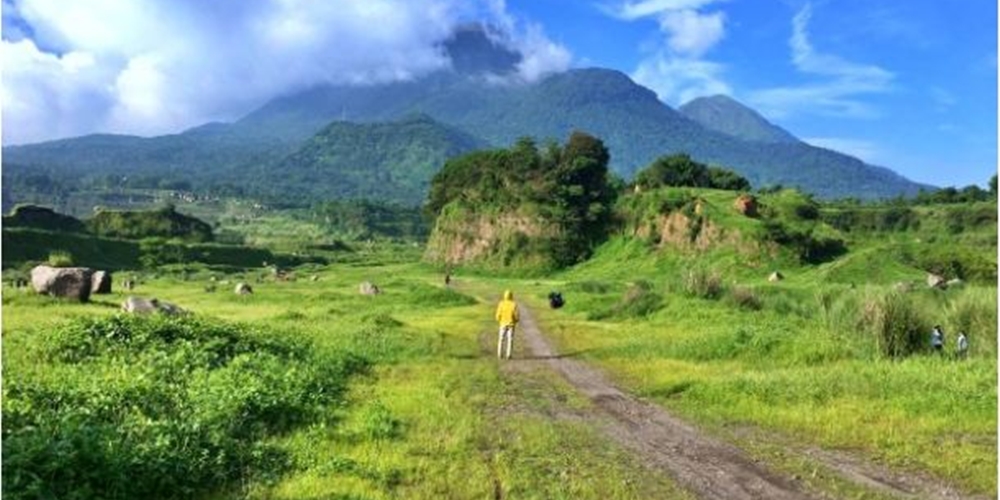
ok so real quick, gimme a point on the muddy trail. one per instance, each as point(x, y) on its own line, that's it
point(707, 467)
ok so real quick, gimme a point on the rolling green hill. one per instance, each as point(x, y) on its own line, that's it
point(385, 161)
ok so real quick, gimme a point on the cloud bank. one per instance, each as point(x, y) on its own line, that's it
point(676, 70)
point(158, 66)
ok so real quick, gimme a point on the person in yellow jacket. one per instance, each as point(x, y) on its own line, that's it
point(507, 317)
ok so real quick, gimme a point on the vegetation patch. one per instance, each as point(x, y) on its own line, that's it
point(127, 407)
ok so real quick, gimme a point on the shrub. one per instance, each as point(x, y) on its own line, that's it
point(638, 301)
point(745, 298)
point(132, 407)
point(975, 313)
point(60, 258)
point(895, 323)
point(702, 284)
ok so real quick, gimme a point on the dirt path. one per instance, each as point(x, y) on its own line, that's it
point(709, 468)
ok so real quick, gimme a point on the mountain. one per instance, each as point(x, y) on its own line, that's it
point(480, 96)
point(724, 114)
point(636, 126)
point(391, 161)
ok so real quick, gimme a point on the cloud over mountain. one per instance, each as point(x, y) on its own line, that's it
point(158, 66)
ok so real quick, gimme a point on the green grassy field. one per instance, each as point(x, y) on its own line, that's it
point(433, 418)
point(834, 356)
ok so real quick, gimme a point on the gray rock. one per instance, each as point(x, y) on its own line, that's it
point(139, 305)
point(66, 282)
point(775, 277)
point(100, 282)
point(243, 289)
point(368, 288)
point(936, 281)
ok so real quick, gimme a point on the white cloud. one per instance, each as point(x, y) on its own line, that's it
point(690, 33)
point(678, 80)
point(836, 94)
point(634, 10)
point(158, 66)
point(675, 68)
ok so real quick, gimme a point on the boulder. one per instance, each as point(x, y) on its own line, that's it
point(936, 281)
point(243, 289)
point(368, 288)
point(66, 282)
point(746, 204)
point(139, 305)
point(100, 282)
point(775, 277)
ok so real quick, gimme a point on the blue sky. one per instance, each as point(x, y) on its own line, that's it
point(907, 85)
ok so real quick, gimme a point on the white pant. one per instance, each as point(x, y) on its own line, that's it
point(506, 339)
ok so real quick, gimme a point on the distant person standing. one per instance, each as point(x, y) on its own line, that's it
point(507, 316)
point(962, 346)
point(937, 339)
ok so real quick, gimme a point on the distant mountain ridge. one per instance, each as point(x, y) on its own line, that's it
point(477, 106)
point(724, 114)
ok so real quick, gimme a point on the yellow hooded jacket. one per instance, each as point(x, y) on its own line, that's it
point(507, 310)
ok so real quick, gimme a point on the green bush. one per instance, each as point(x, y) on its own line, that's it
point(745, 298)
point(60, 258)
point(638, 301)
point(156, 407)
point(896, 324)
point(974, 312)
point(702, 283)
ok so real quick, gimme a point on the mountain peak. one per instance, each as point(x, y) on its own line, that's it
point(727, 115)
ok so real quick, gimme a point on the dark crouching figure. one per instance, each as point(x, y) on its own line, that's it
point(556, 300)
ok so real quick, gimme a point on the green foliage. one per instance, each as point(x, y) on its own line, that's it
point(60, 258)
point(744, 297)
point(895, 323)
point(25, 246)
point(565, 189)
point(161, 223)
point(968, 194)
point(639, 301)
point(807, 246)
point(35, 217)
point(364, 219)
point(702, 283)
point(681, 170)
point(130, 407)
point(390, 162)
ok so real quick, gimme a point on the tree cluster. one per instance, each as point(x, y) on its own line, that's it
point(568, 185)
point(681, 170)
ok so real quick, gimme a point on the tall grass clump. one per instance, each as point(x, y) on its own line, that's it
point(896, 324)
point(126, 407)
point(745, 297)
point(60, 258)
point(702, 283)
point(974, 312)
point(639, 301)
